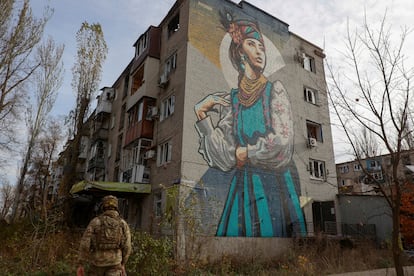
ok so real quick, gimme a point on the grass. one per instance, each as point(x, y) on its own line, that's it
point(29, 249)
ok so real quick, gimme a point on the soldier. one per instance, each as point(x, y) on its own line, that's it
point(106, 243)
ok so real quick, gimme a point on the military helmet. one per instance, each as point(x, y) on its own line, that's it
point(109, 202)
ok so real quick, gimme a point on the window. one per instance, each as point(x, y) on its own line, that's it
point(112, 121)
point(377, 176)
point(137, 80)
point(122, 118)
point(127, 160)
point(317, 169)
point(314, 130)
point(164, 153)
point(138, 156)
point(170, 64)
point(158, 204)
point(344, 169)
point(116, 177)
point(108, 96)
point(174, 25)
point(135, 114)
point(405, 160)
point(140, 111)
point(126, 86)
point(373, 164)
point(109, 150)
point(310, 95)
point(167, 107)
point(130, 118)
point(370, 179)
point(357, 167)
point(151, 113)
point(116, 94)
point(119, 148)
point(141, 45)
point(92, 152)
point(100, 150)
point(308, 63)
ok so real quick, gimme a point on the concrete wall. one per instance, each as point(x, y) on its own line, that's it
point(215, 249)
point(366, 209)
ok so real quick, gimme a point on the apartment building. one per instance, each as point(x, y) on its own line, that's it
point(363, 209)
point(221, 117)
point(362, 177)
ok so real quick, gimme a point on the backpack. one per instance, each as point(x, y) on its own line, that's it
point(109, 235)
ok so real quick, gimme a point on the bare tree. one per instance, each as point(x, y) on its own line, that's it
point(408, 136)
point(377, 98)
point(6, 198)
point(47, 79)
point(20, 32)
point(366, 144)
point(39, 173)
point(43, 158)
point(91, 54)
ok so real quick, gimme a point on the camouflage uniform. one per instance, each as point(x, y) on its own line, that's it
point(105, 260)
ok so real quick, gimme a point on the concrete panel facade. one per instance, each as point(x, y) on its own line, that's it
point(239, 97)
point(211, 171)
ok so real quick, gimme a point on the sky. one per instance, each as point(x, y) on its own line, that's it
point(322, 22)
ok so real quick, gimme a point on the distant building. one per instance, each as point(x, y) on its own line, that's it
point(361, 177)
point(221, 118)
point(363, 209)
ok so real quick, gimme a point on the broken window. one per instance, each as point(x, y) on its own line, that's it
point(174, 25)
point(308, 63)
point(317, 169)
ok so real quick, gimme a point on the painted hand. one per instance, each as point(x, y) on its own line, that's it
point(207, 104)
point(241, 156)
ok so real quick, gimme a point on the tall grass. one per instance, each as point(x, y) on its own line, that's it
point(28, 249)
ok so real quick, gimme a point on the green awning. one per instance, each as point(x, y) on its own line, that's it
point(111, 186)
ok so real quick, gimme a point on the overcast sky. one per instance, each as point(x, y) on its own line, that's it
point(322, 22)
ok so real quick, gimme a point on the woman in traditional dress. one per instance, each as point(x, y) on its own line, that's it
point(253, 139)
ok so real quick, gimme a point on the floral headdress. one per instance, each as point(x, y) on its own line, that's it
point(239, 30)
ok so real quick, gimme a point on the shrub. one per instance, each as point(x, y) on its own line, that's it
point(150, 256)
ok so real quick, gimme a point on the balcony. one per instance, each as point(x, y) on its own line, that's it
point(103, 107)
point(139, 124)
point(142, 129)
point(136, 174)
point(104, 104)
point(96, 162)
point(100, 134)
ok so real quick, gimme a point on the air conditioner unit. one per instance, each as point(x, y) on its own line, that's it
point(313, 143)
point(149, 154)
point(163, 82)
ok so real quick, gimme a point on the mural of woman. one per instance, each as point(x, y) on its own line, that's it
point(253, 140)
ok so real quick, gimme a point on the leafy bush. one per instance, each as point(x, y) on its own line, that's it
point(150, 256)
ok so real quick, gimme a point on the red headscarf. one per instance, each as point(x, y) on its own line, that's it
point(241, 29)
